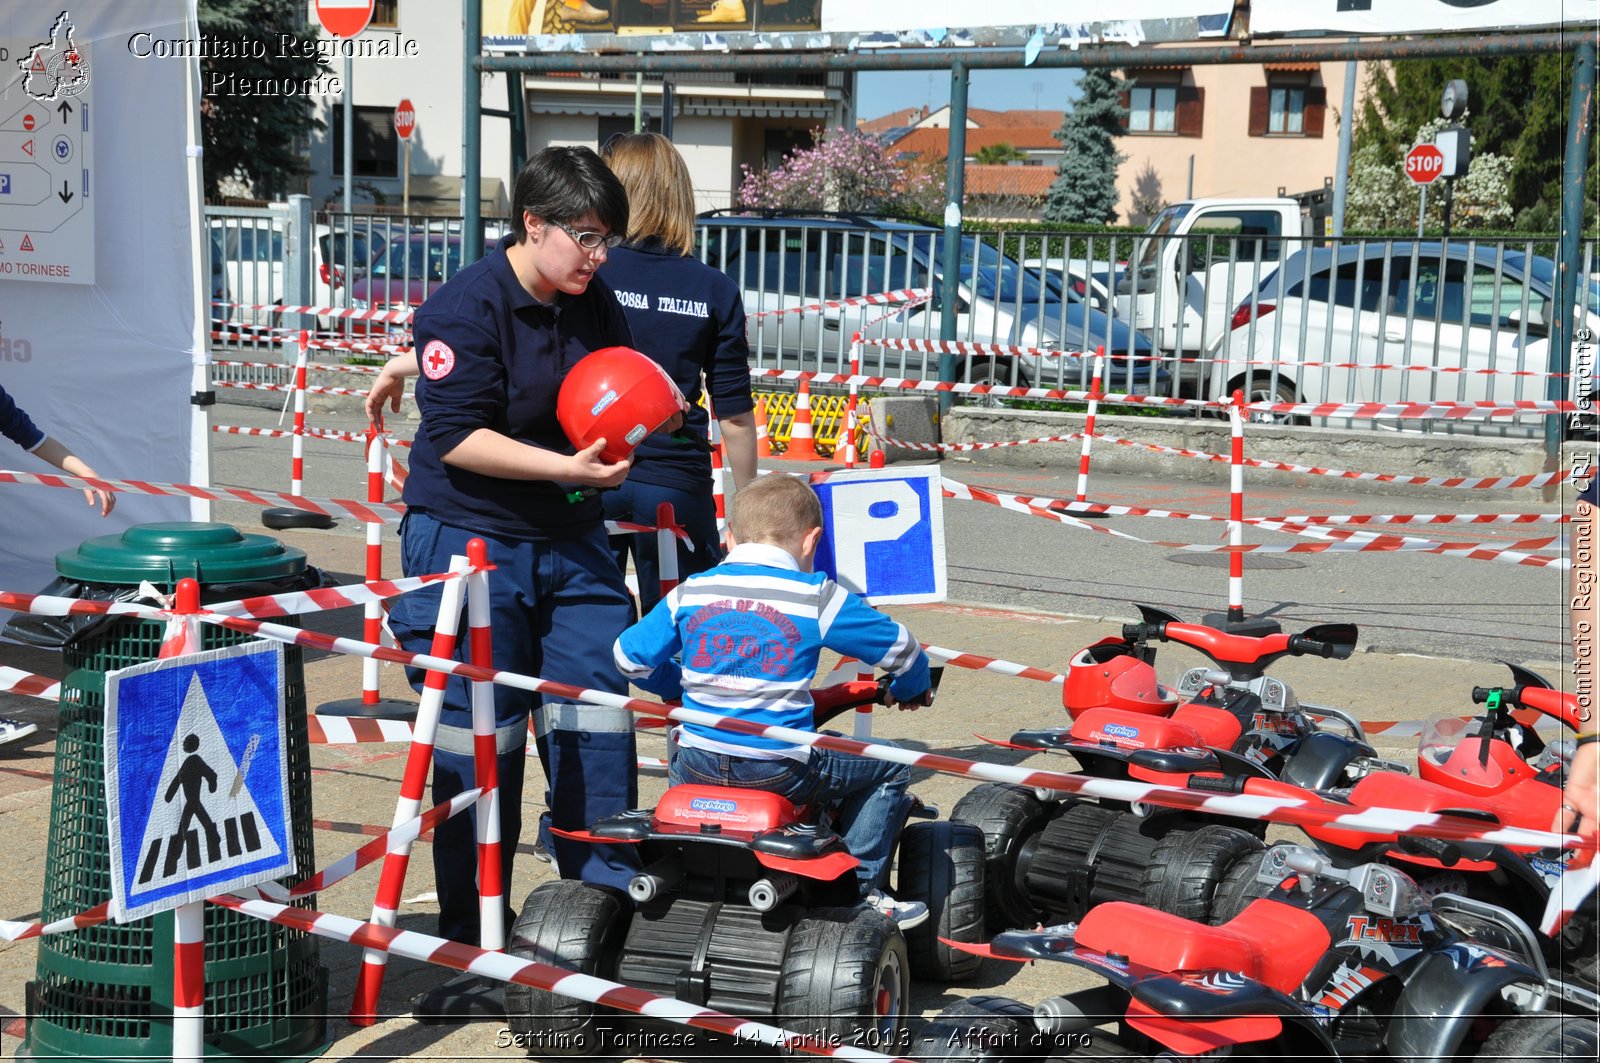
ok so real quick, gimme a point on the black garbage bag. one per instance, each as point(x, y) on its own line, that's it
point(55, 632)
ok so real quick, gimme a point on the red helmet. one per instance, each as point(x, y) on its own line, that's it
point(1107, 674)
point(617, 394)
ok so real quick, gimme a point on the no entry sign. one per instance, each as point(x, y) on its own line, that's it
point(344, 18)
point(1424, 164)
point(405, 119)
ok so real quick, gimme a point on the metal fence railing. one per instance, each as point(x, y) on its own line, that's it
point(1279, 316)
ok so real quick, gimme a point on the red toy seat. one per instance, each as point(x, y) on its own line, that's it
point(1274, 943)
point(733, 809)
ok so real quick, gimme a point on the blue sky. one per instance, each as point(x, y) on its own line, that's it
point(1000, 90)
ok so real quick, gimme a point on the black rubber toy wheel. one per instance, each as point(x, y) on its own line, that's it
point(1061, 873)
point(570, 924)
point(845, 979)
point(942, 865)
point(1010, 818)
point(1526, 1038)
point(1186, 867)
point(993, 1029)
point(1237, 888)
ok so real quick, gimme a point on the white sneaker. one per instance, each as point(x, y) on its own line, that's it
point(906, 914)
point(11, 730)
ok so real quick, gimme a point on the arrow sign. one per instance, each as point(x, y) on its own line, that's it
point(405, 119)
point(65, 194)
point(1424, 164)
point(65, 108)
point(344, 18)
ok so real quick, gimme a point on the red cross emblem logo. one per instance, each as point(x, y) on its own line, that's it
point(437, 360)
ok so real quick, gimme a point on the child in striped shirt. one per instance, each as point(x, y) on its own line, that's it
point(744, 639)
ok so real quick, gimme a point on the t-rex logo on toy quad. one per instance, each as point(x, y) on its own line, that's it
point(55, 68)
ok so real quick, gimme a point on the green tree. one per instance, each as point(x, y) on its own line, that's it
point(252, 139)
point(999, 154)
point(1085, 188)
point(1519, 108)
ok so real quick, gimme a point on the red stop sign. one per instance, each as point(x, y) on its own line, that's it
point(344, 18)
point(405, 120)
point(1424, 163)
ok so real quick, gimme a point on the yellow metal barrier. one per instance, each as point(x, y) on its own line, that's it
point(827, 420)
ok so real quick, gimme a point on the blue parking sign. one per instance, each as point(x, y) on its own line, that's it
point(197, 781)
point(5, 184)
point(883, 533)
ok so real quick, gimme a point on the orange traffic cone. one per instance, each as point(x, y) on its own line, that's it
point(763, 442)
point(801, 447)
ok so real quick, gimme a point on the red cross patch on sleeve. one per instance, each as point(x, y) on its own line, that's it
point(437, 360)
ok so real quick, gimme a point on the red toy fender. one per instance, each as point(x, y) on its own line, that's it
point(1470, 773)
point(1216, 727)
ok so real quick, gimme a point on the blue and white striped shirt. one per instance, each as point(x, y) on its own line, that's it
point(748, 635)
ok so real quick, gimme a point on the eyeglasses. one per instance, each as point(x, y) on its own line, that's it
point(589, 241)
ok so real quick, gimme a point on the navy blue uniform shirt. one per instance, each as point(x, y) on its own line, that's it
point(16, 426)
point(689, 317)
point(492, 356)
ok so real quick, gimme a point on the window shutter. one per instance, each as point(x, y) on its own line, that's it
point(1191, 110)
point(1258, 111)
point(1316, 110)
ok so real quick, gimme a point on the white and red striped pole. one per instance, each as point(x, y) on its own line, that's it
point(1088, 424)
point(850, 404)
point(666, 548)
point(413, 782)
point(297, 461)
point(372, 613)
point(1236, 509)
point(719, 473)
point(485, 755)
point(188, 920)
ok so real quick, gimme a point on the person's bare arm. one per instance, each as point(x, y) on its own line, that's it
point(390, 386)
point(492, 454)
point(739, 435)
point(52, 451)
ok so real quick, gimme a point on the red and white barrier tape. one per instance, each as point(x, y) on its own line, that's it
point(900, 295)
point(1447, 370)
point(969, 347)
point(318, 599)
point(316, 367)
point(409, 831)
point(1495, 483)
point(979, 663)
point(398, 317)
point(279, 433)
point(387, 513)
point(501, 967)
point(897, 311)
point(311, 389)
point(1348, 542)
point(1301, 811)
point(16, 681)
point(958, 448)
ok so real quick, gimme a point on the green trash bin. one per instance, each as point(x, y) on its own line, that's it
point(105, 992)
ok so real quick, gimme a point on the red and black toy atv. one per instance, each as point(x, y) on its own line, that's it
point(1495, 768)
point(1334, 964)
point(750, 905)
point(1055, 858)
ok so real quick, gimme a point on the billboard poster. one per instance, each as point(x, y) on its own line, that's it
point(846, 23)
point(1389, 17)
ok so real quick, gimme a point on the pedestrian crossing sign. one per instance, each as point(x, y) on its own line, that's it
point(197, 781)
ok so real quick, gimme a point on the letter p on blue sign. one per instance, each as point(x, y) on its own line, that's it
point(883, 533)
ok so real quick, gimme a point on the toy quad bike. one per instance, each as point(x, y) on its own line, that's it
point(1497, 769)
point(750, 905)
point(1058, 857)
point(1332, 964)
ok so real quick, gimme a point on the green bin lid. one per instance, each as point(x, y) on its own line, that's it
point(167, 552)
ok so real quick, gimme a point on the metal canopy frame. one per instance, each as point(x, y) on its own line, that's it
point(961, 61)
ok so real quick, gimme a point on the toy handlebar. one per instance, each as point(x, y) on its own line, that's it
point(1245, 655)
point(1533, 691)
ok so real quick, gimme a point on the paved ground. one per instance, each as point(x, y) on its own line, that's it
point(354, 789)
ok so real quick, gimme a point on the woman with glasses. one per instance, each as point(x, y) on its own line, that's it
point(689, 317)
point(490, 461)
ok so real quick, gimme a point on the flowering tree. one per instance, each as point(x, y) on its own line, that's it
point(846, 171)
point(1382, 197)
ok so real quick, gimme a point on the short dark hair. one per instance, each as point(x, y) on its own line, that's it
point(565, 183)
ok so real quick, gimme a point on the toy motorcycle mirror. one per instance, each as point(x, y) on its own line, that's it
point(1340, 639)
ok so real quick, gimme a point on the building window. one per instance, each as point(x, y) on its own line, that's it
point(776, 143)
point(1153, 109)
point(1287, 107)
point(386, 14)
point(616, 125)
point(375, 147)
